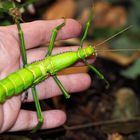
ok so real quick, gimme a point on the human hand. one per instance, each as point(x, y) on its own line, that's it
point(12, 118)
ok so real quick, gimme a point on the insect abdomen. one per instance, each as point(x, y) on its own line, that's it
point(15, 83)
point(19, 81)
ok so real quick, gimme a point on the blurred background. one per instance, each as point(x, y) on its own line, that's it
point(98, 113)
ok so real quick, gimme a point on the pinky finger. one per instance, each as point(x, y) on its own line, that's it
point(27, 120)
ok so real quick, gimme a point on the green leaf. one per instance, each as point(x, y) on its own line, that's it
point(133, 71)
point(28, 2)
point(5, 23)
point(125, 42)
point(2, 10)
point(6, 5)
point(126, 104)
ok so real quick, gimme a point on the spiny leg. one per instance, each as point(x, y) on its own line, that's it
point(50, 47)
point(34, 92)
point(22, 51)
point(22, 44)
point(15, 13)
point(38, 109)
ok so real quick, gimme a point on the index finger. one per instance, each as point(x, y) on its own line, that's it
point(39, 32)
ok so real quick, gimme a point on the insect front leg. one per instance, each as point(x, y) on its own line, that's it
point(50, 48)
point(97, 72)
point(86, 30)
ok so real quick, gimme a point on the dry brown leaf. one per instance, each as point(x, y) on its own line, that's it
point(100, 11)
point(71, 70)
point(116, 17)
point(116, 136)
point(119, 58)
point(105, 15)
point(60, 9)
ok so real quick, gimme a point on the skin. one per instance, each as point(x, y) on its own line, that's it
point(12, 118)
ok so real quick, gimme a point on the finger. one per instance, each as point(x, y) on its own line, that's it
point(39, 32)
point(27, 120)
point(49, 88)
point(11, 109)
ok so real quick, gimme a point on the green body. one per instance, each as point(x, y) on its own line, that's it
point(32, 74)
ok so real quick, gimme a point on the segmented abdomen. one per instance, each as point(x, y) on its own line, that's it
point(20, 80)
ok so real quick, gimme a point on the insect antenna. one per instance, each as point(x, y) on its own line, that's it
point(118, 50)
point(100, 75)
point(115, 35)
point(115, 50)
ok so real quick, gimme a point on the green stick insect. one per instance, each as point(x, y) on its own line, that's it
point(32, 74)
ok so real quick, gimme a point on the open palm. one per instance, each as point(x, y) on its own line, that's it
point(12, 118)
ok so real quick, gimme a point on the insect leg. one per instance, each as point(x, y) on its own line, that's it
point(24, 60)
point(86, 29)
point(22, 44)
point(53, 37)
point(98, 73)
point(66, 94)
point(22, 49)
point(38, 109)
point(51, 45)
